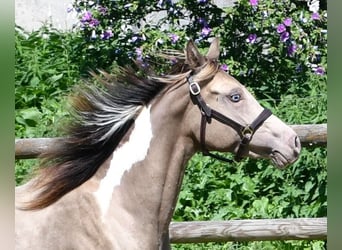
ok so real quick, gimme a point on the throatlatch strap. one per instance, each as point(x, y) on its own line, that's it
point(204, 149)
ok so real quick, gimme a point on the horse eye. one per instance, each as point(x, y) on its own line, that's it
point(235, 97)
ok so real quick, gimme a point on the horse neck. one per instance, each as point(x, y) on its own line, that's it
point(139, 184)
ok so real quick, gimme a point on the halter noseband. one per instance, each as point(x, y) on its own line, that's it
point(245, 132)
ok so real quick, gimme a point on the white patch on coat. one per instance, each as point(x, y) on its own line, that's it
point(132, 151)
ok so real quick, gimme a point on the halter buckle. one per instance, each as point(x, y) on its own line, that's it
point(194, 88)
point(247, 130)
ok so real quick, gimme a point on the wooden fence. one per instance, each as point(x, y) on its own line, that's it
point(249, 230)
point(233, 230)
point(310, 135)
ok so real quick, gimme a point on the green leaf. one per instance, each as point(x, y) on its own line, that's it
point(55, 78)
point(30, 117)
point(308, 186)
point(34, 81)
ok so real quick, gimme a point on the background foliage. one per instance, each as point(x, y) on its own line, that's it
point(278, 49)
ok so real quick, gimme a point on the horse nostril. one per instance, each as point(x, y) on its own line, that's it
point(296, 142)
point(297, 145)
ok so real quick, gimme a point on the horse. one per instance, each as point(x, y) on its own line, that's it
point(113, 181)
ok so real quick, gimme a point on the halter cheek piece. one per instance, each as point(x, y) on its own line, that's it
point(245, 132)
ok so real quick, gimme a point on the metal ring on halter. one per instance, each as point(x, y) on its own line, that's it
point(194, 88)
point(247, 130)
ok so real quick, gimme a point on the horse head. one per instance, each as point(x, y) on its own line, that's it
point(224, 116)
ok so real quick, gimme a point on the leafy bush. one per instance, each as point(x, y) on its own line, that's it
point(43, 72)
point(281, 37)
point(276, 48)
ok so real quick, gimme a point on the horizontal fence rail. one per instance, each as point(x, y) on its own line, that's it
point(249, 230)
point(310, 135)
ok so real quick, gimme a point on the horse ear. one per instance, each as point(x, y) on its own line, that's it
point(214, 49)
point(193, 56)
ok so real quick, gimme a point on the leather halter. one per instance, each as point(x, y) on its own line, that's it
point(245, 132)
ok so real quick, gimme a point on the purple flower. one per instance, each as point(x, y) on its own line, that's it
point(173, 60)
point(315, 16)
point(288, 21)
point(94, 22)
point(174, 38)
point(253, 2)
point(319, 71)
point(135, 38)
point(291, 50)
point(139, 54)
point(103, 10)
point(201, 1)
point(202, 21)
point(138, 51)
point(205, 31)
point(224, 67)
point(281, 28)
point(284, 36)
point(106, 35)
point(86, 17)
point(251, 38)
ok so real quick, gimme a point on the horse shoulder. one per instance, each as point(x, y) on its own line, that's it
point(74, 216)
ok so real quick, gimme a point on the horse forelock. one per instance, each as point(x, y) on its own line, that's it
point(207, 71)
point(203, 73)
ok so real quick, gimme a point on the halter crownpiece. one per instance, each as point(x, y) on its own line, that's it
point(245, 132)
